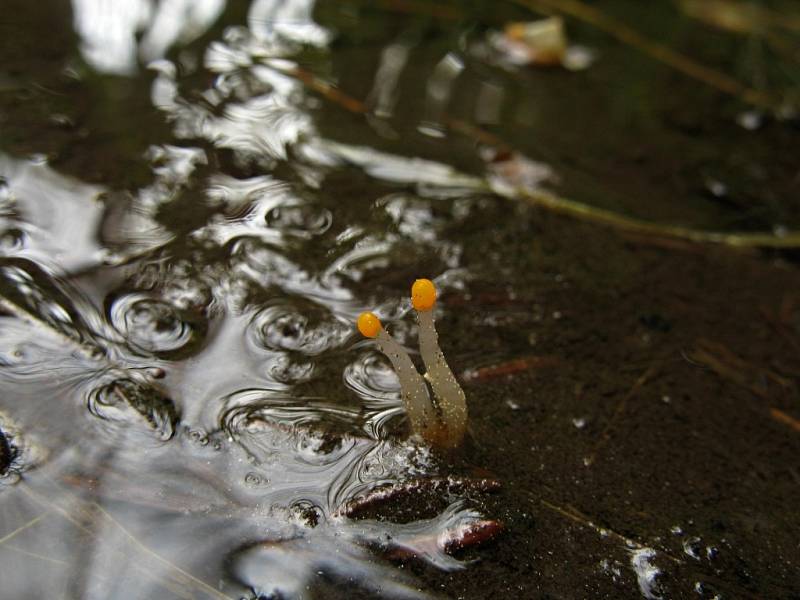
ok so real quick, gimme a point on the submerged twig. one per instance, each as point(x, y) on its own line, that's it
point(730, 367)
point(511, 367)
point(784, 418)
point(132, 538)
point(565, 206)
point(128, 385)
point(593, 214)
point(573, 514)
point(22, 528)
point(89, 510)
point(620, 409)
point(50, 559)
point(576, 516)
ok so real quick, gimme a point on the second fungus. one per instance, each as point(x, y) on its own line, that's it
point(443, 420)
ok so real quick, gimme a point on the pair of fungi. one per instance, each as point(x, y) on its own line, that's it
point(440, 420)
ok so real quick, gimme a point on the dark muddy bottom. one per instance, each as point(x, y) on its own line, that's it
point(195, 205)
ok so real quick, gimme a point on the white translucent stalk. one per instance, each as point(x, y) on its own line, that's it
point(450, 398)
point(416, 399)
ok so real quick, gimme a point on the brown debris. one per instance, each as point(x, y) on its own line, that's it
point(733, 368)
point(511, 367)
point(438, 486)
point(473, 534)
point(605, 436)
point(784, 418)
point(452, 540)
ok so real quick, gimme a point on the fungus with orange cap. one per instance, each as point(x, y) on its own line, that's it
point(443, 421)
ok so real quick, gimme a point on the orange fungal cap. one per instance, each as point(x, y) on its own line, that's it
point(423, 294)
point(369, 324)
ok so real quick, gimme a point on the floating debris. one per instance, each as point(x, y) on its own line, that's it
point(540, 43)
point(119, 398)
point(511, 367)
point(435, 486)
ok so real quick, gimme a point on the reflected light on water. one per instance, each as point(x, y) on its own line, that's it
point(110, 31)
point(48, 217)
point(290, 20)
point(205, 376)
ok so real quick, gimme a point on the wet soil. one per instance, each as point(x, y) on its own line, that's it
point(671, 444)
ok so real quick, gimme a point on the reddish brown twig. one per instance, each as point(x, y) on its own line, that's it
point(517, 365)
point(784, 418)
point(648, 375)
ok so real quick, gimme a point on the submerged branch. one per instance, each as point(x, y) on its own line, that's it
point(22, 528)
point(605, 436)
point(593, 214)
point(785, 418)
point(88, 512)
point(565, 206)
point(199, 583)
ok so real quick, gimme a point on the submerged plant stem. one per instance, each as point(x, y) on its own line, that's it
point(609, 218)
point(22, 528)
point(565, 206)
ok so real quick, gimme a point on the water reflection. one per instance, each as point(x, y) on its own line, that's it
point(48, 217)
point(118, 36)
point(289, 20)
point(187, 346)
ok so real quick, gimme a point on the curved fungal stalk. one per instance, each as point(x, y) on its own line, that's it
point(416, 399)
point(443, 421)
point(450, 398)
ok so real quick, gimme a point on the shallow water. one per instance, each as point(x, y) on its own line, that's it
point(198, 199)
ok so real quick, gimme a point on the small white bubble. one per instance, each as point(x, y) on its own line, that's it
point(750, 120)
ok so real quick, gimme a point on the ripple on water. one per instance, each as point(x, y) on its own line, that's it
point(12, 240)
point(377, 385)
point(301, 326)
point(288, 370)
point(127, 403)
point(29, 292)
point(155, 327)
point(47, 216)
point(275, 417)
point(301, 220)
